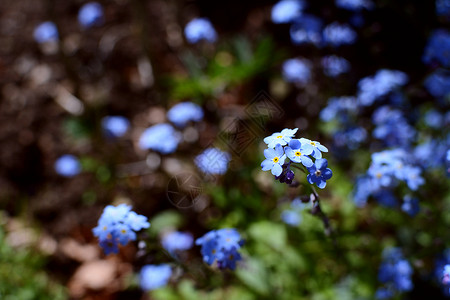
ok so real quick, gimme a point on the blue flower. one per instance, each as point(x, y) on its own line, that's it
point(67, 165)
point(117, 225)
point(379, 85)
point(297, 71)
point(438, 48)
point(319, 173)
point(282, 138)
point(177, 241)
point(115, 126)
point(410, 205)
point(434, 119)
point(385, 197)
point(46, 32)
point(354, 5)
point(336, 34)
point(154, 276)
point(443, 8)
point(298, 151)
point(413, 178)
point(291, 217)
point(200, 29)
point(213, 161)
point(395, 272)
point(162, 138)
point(181, 113)
point(334, 65)
point(306, 29)
point(90, 14)
point(315, 146)
point(362, 191)
point(438, 83)
point(339, 108)
point(221, 246)
point(286, 11)
point(274, 160)
point(392, 128)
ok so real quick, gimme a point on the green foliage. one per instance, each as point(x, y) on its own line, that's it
point(22, 276)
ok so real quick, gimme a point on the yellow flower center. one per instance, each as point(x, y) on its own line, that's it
point(123, 231)
point(105, 228)
point(213, 251)
point(275, 159)
point(379, 175)
point(279, 137)
point(312, 143)
point(298, 153)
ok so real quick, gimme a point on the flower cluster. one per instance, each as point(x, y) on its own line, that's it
point(306, 29)
point(388, 168)
point(334, 65)
point(118, 225)
point(154, 276)
point(221, 246)
point(392, 127)
point(282, 145)
point(394, 273)
point(437, 49)
point(336, 34)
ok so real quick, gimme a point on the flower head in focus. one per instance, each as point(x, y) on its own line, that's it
point(274, 160)
point(319, 173)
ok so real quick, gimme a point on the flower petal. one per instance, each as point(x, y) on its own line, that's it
point(321, 163)
point(295, 144)
point(306, 161)
point(277, 169)
point(270, 153)
point(267, 165)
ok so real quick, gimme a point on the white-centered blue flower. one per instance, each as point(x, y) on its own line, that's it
point(316, 146)
point(274, 160)
point(298, 152)
point(282, 138)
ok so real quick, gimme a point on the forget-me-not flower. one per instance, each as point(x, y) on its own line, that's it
point(274, 160)
point(298, 152)
point(315, 146)
point(336, 34)
point(286, 11)
point(162, 138)
point(177, 241)
point(213, 161)
point(45, 32)
point(297, 70)
point(306, 29)
point(319, 173)
point(154, 276)
point(67, 165)
point(200, 29)
point(181, 113)
point(90, 14)
point(282, 138)
point(115, 126)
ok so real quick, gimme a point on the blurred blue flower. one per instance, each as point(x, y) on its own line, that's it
point(177, 241)
point(395, 271)
point(438, 48)
point(383, 293)
point(336, 34)
point(213, 161)
point(306, 29)
point(382, 83)
point(117, 225)
point(162, 138)
point(200, 29)
point(67, 165)
point(354, 5)
point(334, 65)
point(221, 246)
point(286, 11)
point(45, 32)
point(443, 8)
point(319, 173)
point(392, 128)
point(385, 197)
point(413, 177)
point(434, 119)
point(297, 70)
point(362, 190)
point(410, 205)
point(291, 217)
point(438, 83)
point(154, 276)
point(115, 126)
point(434, 150)
point(339, 108)
point(274, 160)
point(181, 113)
point(349, 138)
point(282, 138)
point(90, 14)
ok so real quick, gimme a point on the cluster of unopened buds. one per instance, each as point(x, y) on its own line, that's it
point(282, 146)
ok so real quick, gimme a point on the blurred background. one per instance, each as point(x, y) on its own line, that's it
point(83, 84)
